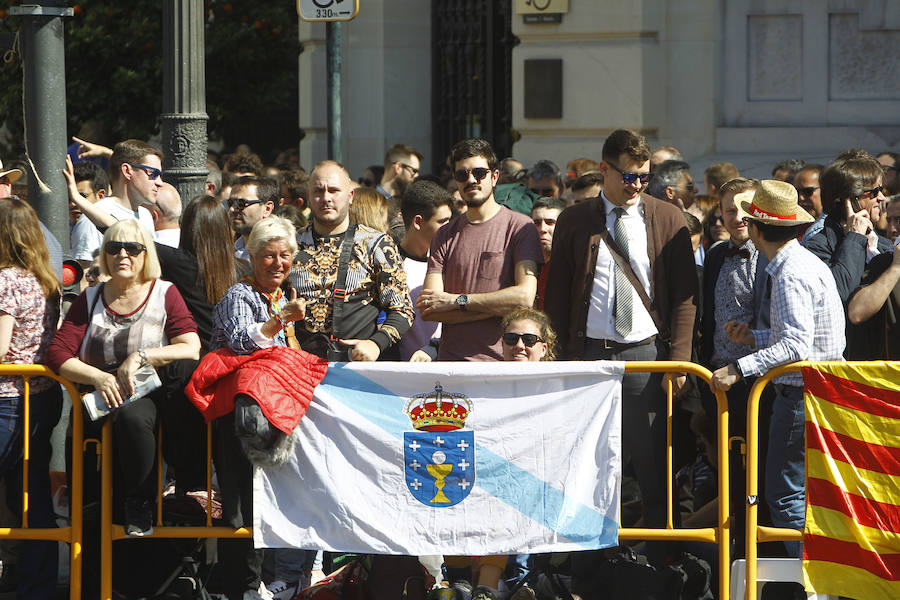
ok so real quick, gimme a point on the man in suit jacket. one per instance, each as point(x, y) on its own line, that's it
point(597, 312)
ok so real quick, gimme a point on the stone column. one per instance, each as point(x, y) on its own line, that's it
point(184, 97)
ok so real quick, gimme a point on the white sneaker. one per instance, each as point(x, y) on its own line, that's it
point(284, 591)
point(262, 593)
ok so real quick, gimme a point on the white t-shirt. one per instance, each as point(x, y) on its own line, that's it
point(86, 238)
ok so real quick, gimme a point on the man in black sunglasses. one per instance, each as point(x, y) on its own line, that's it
point(252, 200)
point(135, 177)
point(482, 265)
point(401, 167)
point(807, 183)
point(599, 314)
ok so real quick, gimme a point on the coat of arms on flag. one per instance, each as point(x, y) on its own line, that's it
point(439, 458)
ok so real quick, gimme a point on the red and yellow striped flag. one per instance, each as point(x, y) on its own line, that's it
point(851, 540)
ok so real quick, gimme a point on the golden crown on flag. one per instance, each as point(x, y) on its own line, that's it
point(438, 410)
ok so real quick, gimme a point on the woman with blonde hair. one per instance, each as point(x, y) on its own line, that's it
point(132, 321)
point(30, 299)
point(370, 208)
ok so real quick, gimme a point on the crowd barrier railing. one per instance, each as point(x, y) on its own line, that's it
point(73, 533)
point(719, 535)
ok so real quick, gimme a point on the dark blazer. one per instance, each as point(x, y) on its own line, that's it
point(762, 291)
point(673, 279)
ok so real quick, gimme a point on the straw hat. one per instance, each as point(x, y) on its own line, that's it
point(13, 174)
point(774, 203)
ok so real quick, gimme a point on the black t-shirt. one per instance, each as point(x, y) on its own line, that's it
point(872, 339)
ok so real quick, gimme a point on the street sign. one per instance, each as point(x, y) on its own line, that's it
point(327, 10)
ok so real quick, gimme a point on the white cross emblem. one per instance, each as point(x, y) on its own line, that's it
point(415, 465)
point(415, 445)
point(462, 445)
point(439, 441)
point(415, 484)
point(463, 483)
point(463, 464)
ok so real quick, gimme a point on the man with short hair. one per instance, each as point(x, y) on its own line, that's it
point(135, 177)
point(243, 164)
point(482, 265)
point(92, 184)
point(545, 180)
point(401, 167)
point(252, 199)
point(345, 314)
point(717, 174)
point(787, 169)
point(213, 178)
point(807, 321)
point(893, 219)
point(807, 183)
point(599, 314)
point(673, 183)
point(544, 214)
point(661, 155)
point(425, 207)
point(587, 186)
point(166, 215)
point(890, 161)
point(294, 187)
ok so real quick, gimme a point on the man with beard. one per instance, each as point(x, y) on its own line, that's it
point(482, 265)
point(346, 288)
point(401, 167)
point(252, 199)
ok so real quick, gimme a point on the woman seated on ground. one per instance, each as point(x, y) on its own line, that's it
point(252, 316)
point(132, 320)
point(29, 312)
point(527, 337)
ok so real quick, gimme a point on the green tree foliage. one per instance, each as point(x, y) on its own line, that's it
point(114, 53)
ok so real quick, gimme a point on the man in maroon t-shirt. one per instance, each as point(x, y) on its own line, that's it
point(482, 265)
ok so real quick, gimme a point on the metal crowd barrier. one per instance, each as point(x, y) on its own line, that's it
point(110, 532)
point(73, 533)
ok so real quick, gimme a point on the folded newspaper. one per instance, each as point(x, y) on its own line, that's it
point(145, 381)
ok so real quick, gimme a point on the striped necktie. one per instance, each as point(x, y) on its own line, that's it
point(624, 292)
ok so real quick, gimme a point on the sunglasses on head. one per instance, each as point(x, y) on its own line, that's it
point(630, 178)
point(239, 204)
point(152, 172)
point(132, 248)
point(529, 339)
point(462, 175)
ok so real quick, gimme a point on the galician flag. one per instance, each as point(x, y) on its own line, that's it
point(451, 458)
point(851, 540)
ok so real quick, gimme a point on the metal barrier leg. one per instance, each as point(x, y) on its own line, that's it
point(106, 496)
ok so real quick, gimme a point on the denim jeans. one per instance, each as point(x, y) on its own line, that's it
point(37, 559)
point(785, 468)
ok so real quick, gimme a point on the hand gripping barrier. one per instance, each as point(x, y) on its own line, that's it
point(73, 533)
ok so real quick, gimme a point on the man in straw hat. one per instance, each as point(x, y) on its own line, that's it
point(806, 323)
point(7, 178)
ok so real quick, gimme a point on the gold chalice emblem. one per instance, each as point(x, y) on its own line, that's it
point(439, 471)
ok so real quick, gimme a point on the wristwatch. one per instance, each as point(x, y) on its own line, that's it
point(462, 301)
point(143, 354)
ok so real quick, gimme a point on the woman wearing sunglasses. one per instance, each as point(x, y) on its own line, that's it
point(528, 336)
point(29, 312)
point(132, 320)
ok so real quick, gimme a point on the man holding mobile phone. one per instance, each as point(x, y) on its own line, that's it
point(852, 196)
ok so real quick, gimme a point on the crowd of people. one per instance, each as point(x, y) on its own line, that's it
point(616, 258)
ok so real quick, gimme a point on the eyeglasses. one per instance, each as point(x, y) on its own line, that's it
point(152, 172)
point(808, 191)
point(132, 248)
point(462, 175)
point(414, 170)
point(630, 178)
point(239, 204)
point(873, 193)
point(529, 339)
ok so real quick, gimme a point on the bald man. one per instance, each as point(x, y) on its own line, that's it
point(166, 213)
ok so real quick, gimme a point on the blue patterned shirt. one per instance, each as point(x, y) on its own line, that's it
point(238, 317)
point(807, 317)
point(734, 302)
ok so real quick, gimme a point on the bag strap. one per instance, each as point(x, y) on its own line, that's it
point(339, 292)
point(625, 267)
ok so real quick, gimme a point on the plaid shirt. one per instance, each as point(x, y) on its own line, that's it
point(807, 317)
point(238, 315)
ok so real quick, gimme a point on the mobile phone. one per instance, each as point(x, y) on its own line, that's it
point(854, 204)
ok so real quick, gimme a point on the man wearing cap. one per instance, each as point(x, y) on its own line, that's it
point(806, 323)
point(7, 178)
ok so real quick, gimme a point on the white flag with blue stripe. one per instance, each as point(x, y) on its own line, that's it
point(451, 458)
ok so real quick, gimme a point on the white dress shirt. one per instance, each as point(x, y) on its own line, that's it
point(601, 318)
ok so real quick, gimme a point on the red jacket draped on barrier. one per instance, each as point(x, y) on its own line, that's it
point(280, 379)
